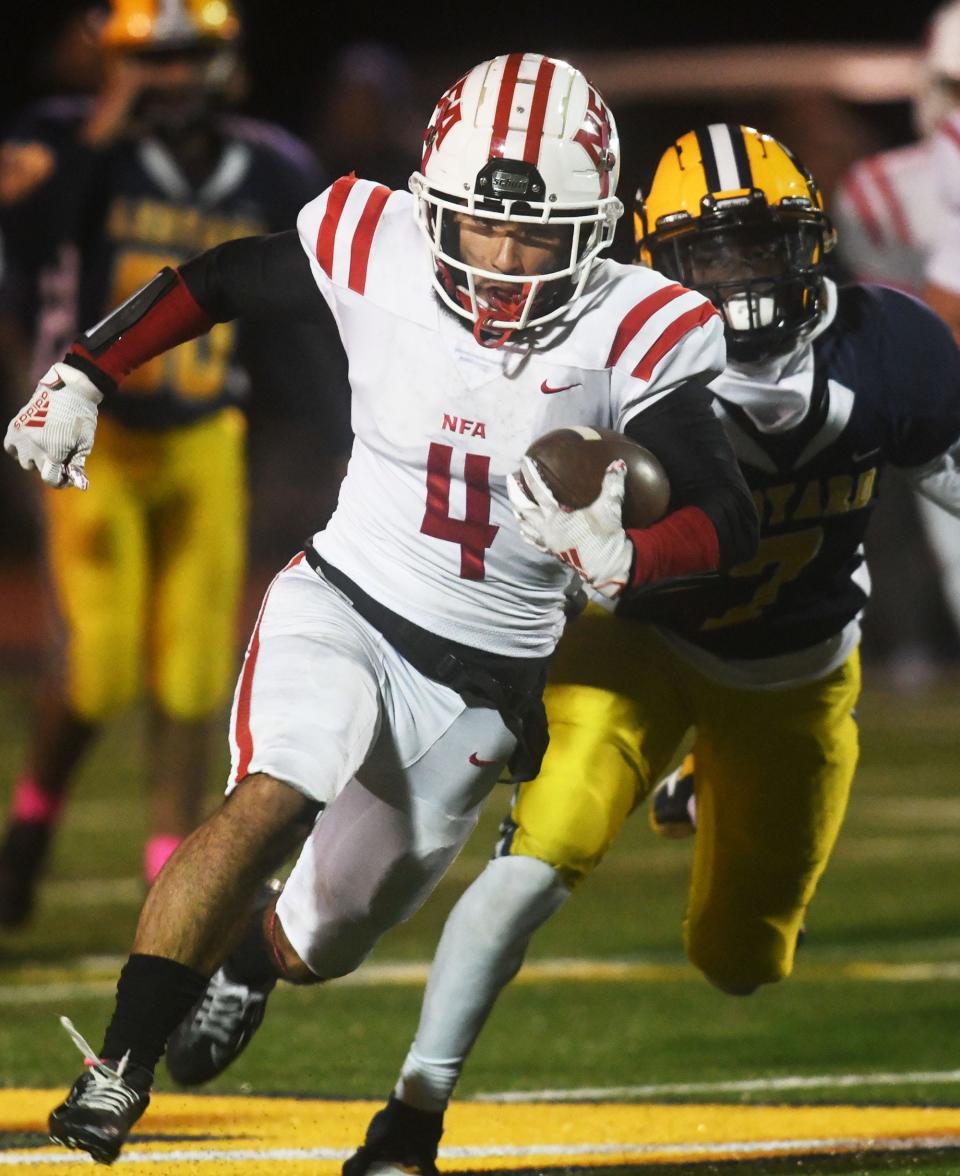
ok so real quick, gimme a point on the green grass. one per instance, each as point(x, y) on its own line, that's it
point(889, 898)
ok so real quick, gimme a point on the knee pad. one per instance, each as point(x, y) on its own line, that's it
point(739, 961)
point(338, 903)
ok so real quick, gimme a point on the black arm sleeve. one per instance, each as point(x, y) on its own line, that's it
point(683, 432)
point(257, 278)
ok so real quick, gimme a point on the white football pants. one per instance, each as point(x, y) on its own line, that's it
point(327, 705)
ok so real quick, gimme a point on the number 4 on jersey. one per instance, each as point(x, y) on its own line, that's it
point(474, 533)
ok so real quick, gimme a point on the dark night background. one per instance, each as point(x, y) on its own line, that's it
point(289, 44)
point(294, 55)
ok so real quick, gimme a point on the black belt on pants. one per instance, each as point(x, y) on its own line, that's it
point(513, 686)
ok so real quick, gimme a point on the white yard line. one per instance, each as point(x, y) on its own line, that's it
point(739, 1086)
point(93, 976)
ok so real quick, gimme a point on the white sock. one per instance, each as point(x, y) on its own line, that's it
point(481, 949)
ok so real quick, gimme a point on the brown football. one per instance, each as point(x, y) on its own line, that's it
point(572, 462)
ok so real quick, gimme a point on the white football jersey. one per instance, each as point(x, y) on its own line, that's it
point(423, 523)
point(888, 216)
point(943, 260)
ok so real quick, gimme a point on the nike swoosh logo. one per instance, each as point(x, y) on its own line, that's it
point(481, 763)
point(548, 391)
point(866, 453)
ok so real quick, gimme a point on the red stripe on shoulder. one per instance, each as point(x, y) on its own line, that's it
point(856, 190)
point(951, 130)
point(891, 199)
point(638, 316)
point(242, 732)
point(327, 233)
point(363, 237)
point(501, 118)
point(680, 326)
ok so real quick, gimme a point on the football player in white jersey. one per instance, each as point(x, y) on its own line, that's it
point(823, 389)
point(889, 210)
point(397, 664)
point(898, 221)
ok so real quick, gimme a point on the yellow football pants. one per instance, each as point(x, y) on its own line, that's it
point(773, 774)
point(147, 567)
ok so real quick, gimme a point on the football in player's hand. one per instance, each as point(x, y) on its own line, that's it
point(572, 462)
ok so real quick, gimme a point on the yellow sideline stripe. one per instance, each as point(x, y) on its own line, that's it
point(249, 1136)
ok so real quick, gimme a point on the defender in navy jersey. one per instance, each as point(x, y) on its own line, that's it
point(823, 389)
point(397, 665)
point(96, 195)
point(880, 387)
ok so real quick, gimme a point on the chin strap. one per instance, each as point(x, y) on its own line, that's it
point(499, 308)
point(484, 317)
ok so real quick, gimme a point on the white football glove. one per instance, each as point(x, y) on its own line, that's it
point(53, 432)
point(591, 540)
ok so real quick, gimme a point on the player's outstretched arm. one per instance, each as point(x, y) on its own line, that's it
point(255, 277)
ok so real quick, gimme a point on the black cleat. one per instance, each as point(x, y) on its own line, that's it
point(217, 1029)
point(673, 805)
point(222, 1023)
point(103, 1104)
point(401, 1141)
point(22, 858)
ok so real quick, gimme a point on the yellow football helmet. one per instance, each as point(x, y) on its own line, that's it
point(163, 24)
point(733, 214)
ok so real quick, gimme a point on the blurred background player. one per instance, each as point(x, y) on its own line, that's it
point(147, 566)
point(365, 118)
point(823, 388)
point(898, 217)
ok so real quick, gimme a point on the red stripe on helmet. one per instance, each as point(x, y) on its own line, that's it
point(538, 111)
point(242, 732)
point(446, 116)
point(891, 200)
point(331, 219)
point(501, 119)
point(363, 237)
point(638, 316)
point(671, 336)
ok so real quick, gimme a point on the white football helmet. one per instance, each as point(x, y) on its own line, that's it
point(521, 138)
point(940, 70)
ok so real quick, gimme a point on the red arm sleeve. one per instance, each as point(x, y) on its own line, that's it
point(682, 544)
point(159, 316)
point(173, 318)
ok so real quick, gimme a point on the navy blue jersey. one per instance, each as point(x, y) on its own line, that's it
point(103, 222)
point(886, 391)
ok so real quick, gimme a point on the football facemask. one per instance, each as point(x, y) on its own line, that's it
point(521, 141)
point(732, 214)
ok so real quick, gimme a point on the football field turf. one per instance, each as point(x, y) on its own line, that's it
point(609, 1052)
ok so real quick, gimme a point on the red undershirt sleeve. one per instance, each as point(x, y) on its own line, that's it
point(682, 544)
